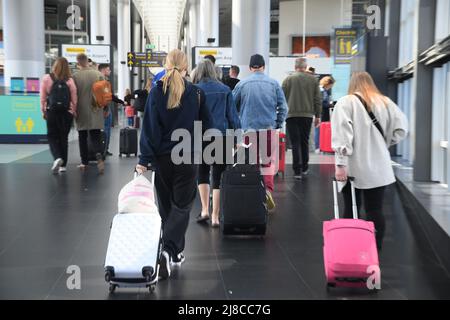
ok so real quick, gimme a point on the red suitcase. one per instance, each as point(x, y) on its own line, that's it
point(282, 154)
point(349, 250)
point(325, 137)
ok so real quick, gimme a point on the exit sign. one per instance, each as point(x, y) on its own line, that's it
point(150, 46)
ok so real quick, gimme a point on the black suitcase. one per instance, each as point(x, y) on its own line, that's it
point(243, 209)
point(128, 142)
point(91, 151)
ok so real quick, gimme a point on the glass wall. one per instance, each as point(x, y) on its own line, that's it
point(441, 101)
point(58, 18)
point(407, 49)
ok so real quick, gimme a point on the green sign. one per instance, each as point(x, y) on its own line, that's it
point(147, 59)
point(21, 115)
point(150, 46)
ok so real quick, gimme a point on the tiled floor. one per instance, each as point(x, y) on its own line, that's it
point(48, 223)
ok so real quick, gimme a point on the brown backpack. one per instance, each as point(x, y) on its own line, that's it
point(102, 93)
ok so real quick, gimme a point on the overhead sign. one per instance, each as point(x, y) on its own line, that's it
point(150, 46)
point(147, 59)
point(344, 39)
point(224, 56)
point(97, 53)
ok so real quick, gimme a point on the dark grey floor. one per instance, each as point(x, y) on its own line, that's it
point(50, 222)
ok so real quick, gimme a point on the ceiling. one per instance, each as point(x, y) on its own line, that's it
point(162, 19)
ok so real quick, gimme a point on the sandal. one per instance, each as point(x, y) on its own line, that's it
point(202, 219)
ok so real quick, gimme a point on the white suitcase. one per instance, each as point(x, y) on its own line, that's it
point(134, 249)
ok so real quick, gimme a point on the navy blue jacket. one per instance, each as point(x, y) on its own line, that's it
point(220, 102)
point(159, 122)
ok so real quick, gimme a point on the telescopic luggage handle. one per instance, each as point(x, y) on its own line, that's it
point(335, 196)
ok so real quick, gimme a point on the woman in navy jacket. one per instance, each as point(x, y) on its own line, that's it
point(173, 106)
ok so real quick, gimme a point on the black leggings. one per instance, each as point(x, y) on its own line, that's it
point(217, 168)
point(58, 129)
point(373, 204)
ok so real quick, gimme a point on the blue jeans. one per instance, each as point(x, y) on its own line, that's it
point(317, 137)
point(108, 125)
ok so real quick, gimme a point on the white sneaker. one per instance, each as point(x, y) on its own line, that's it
point(164, 265)
point(178, 260)
point(56, 165)
point(317, 151)
point(62, 169)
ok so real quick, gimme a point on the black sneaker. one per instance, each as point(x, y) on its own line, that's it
point(298, 176)
point(178, 260)
point(109, 154)
point(164, 265)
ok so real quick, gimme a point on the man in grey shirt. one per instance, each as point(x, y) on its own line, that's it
point(90, 120)
point(305, 102)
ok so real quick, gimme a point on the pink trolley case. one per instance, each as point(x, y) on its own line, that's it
point(349, 250)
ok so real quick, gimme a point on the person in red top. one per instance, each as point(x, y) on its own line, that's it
point(58, 106)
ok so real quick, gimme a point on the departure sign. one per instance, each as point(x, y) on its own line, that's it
point(343, 45)
point(147, 59)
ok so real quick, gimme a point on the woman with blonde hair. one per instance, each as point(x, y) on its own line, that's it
point(174, 104)
point(58, 106)
point(365, 124)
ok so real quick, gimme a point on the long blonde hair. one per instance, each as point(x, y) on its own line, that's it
point(176, 63)
point(362, 83)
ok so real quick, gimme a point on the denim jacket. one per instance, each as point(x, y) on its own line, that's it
point(220, 102)
point(261, 102)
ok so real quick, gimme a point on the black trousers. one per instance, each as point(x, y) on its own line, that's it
point(373, 205)
point(58, 129)
point(299, 129)
point(96, 141)
point(176, 188)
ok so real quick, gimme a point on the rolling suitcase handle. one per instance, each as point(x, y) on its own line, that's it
point(149, 168)
point(335, 197)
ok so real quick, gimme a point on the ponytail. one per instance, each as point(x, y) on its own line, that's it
point(176, 62)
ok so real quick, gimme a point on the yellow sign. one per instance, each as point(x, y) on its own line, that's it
point(343, 48)
point(26, 127)
point(76, 50)
point(208, 52)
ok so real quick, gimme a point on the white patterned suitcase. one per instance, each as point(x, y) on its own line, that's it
point(134, 248)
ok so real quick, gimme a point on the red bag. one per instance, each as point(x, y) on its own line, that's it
point(325, 137)
point(282, 154)
point(349, 251)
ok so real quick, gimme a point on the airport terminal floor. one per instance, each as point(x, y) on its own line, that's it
point(49, 222)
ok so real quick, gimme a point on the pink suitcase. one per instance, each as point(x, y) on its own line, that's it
point(349, 251)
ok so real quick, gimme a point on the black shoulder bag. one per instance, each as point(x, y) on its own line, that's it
point(371, 115)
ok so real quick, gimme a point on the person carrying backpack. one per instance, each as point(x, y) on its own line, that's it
point(58, 106)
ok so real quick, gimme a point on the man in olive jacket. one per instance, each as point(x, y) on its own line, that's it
point(305, 102)
point(90, 120)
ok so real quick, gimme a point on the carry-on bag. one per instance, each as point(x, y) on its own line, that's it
point(128, 142)
point(349, 249)
point(243, 209)
point(134, 249)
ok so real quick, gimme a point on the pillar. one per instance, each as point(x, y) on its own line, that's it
point(24, 39)
point(250, 32)
point(123, 45)
point(100, 21)
point(209, 22)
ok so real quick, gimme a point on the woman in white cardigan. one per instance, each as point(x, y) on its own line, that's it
point(365, 124)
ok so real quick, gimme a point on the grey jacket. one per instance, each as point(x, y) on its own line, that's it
point(89, 117)
point(303, 95)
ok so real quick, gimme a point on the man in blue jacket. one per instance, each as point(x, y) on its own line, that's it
point(263, 109)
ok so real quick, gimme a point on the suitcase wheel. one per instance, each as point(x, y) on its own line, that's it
point(330, 285)
point(152, 288)
point(112, 288)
